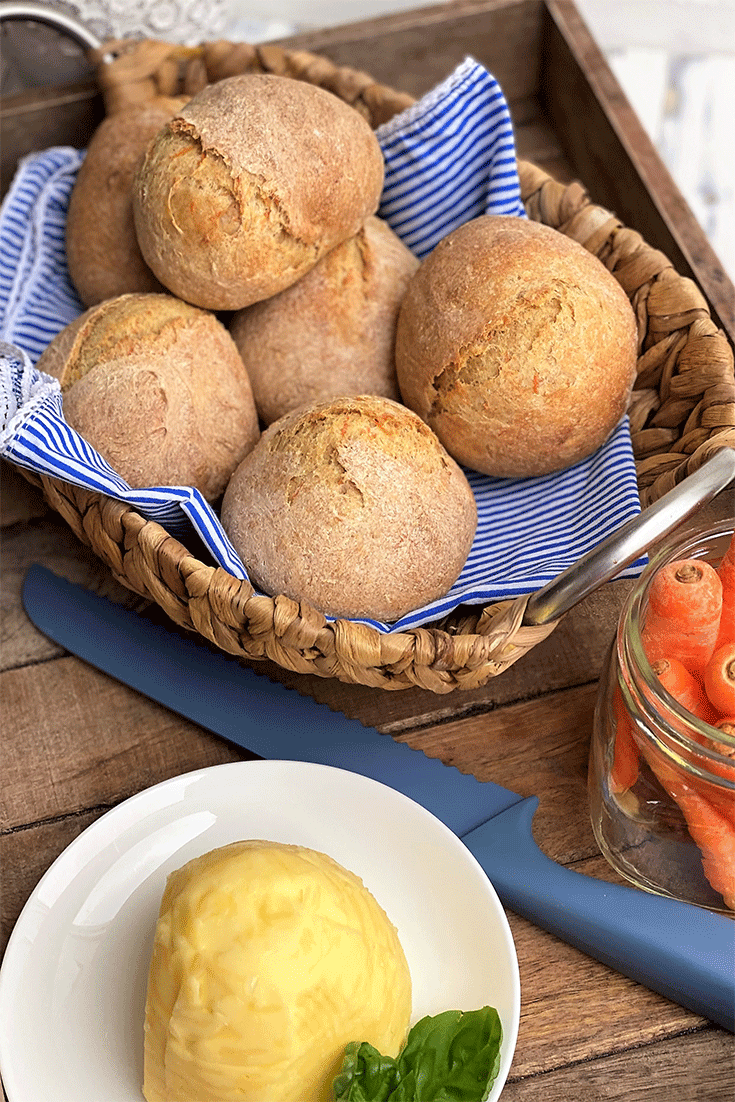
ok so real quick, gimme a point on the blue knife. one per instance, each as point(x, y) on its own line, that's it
point(685, 953)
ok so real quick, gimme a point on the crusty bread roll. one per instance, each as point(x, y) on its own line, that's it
point(354, 506)
point(517, 346)
point(102, 251)
point(332, 332)
point(158, 388)
point(254, 180)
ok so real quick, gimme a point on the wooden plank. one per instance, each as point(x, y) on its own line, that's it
point(76, 756)
point(536, 748)
point(87, 741)
point(412, 51)
point(615, 158)
point(698, 1066)
point(29, 853)
point(31, 121)
point(537, 142)
point(49, 541)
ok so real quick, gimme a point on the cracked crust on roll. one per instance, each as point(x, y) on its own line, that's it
point(517, 346)
point(354, 506)
point(158, 388)
point(255, 179)
point(333, 332)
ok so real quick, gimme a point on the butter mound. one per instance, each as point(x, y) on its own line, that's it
point(268, 959)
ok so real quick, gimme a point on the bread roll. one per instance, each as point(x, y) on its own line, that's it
point(517, 346)
point(102, 251)
point(158, 388)
point(354, 506)
point(333, 332)
point(268, 960)
point(254, 180)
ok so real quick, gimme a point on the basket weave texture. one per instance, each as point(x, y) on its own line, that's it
point(682, 412)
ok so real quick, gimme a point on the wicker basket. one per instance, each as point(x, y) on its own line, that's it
point(682, 411)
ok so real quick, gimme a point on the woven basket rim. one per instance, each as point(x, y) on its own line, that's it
point(683, 410)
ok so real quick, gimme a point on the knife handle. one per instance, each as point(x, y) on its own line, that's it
point(683, 952)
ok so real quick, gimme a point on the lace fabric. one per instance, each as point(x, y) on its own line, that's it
point(185, 21)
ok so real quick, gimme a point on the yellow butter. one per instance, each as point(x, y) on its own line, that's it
point(268, 959)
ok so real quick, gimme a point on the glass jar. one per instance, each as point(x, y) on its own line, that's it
point(659, 777)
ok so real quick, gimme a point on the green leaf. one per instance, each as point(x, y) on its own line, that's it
point(450, 1057)
point(366, 1076)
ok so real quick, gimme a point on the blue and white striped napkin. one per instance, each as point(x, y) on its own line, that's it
point(449, 158)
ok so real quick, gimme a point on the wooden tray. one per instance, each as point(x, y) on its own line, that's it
point(571, 116)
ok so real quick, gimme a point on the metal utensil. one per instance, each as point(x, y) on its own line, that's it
point(623, 547)
point(57, 18)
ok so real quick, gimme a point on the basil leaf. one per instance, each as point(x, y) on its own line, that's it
point(450, 1057)
point(366, 1076)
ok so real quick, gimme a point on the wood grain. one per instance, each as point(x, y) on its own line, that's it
point(649, 1070)
point(411, 50)
point(76, 761)
point(30, 121)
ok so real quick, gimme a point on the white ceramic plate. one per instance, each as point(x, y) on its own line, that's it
point(73, 980)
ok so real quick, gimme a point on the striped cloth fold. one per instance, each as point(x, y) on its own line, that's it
point(449, 158)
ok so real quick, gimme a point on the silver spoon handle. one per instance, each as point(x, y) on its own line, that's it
point(623, 547)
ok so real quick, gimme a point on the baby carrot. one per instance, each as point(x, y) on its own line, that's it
point(719, 678)
point(714, 836)
point(685, 688)
point(726, 574)
point(683, 616)
point(624, 768)
point(710, 830)
point(688, 691)
point(721, 797)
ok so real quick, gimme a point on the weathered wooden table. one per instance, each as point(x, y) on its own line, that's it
point(76, 743)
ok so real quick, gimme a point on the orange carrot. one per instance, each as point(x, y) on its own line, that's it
point(714, 836)
point(624, 768)
point(722, 798)
point(710, 830)
point(683, 617)
point(726, 724)
point(685, 688)
point(689, 692)
point(726, 574)
point(719, 678)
